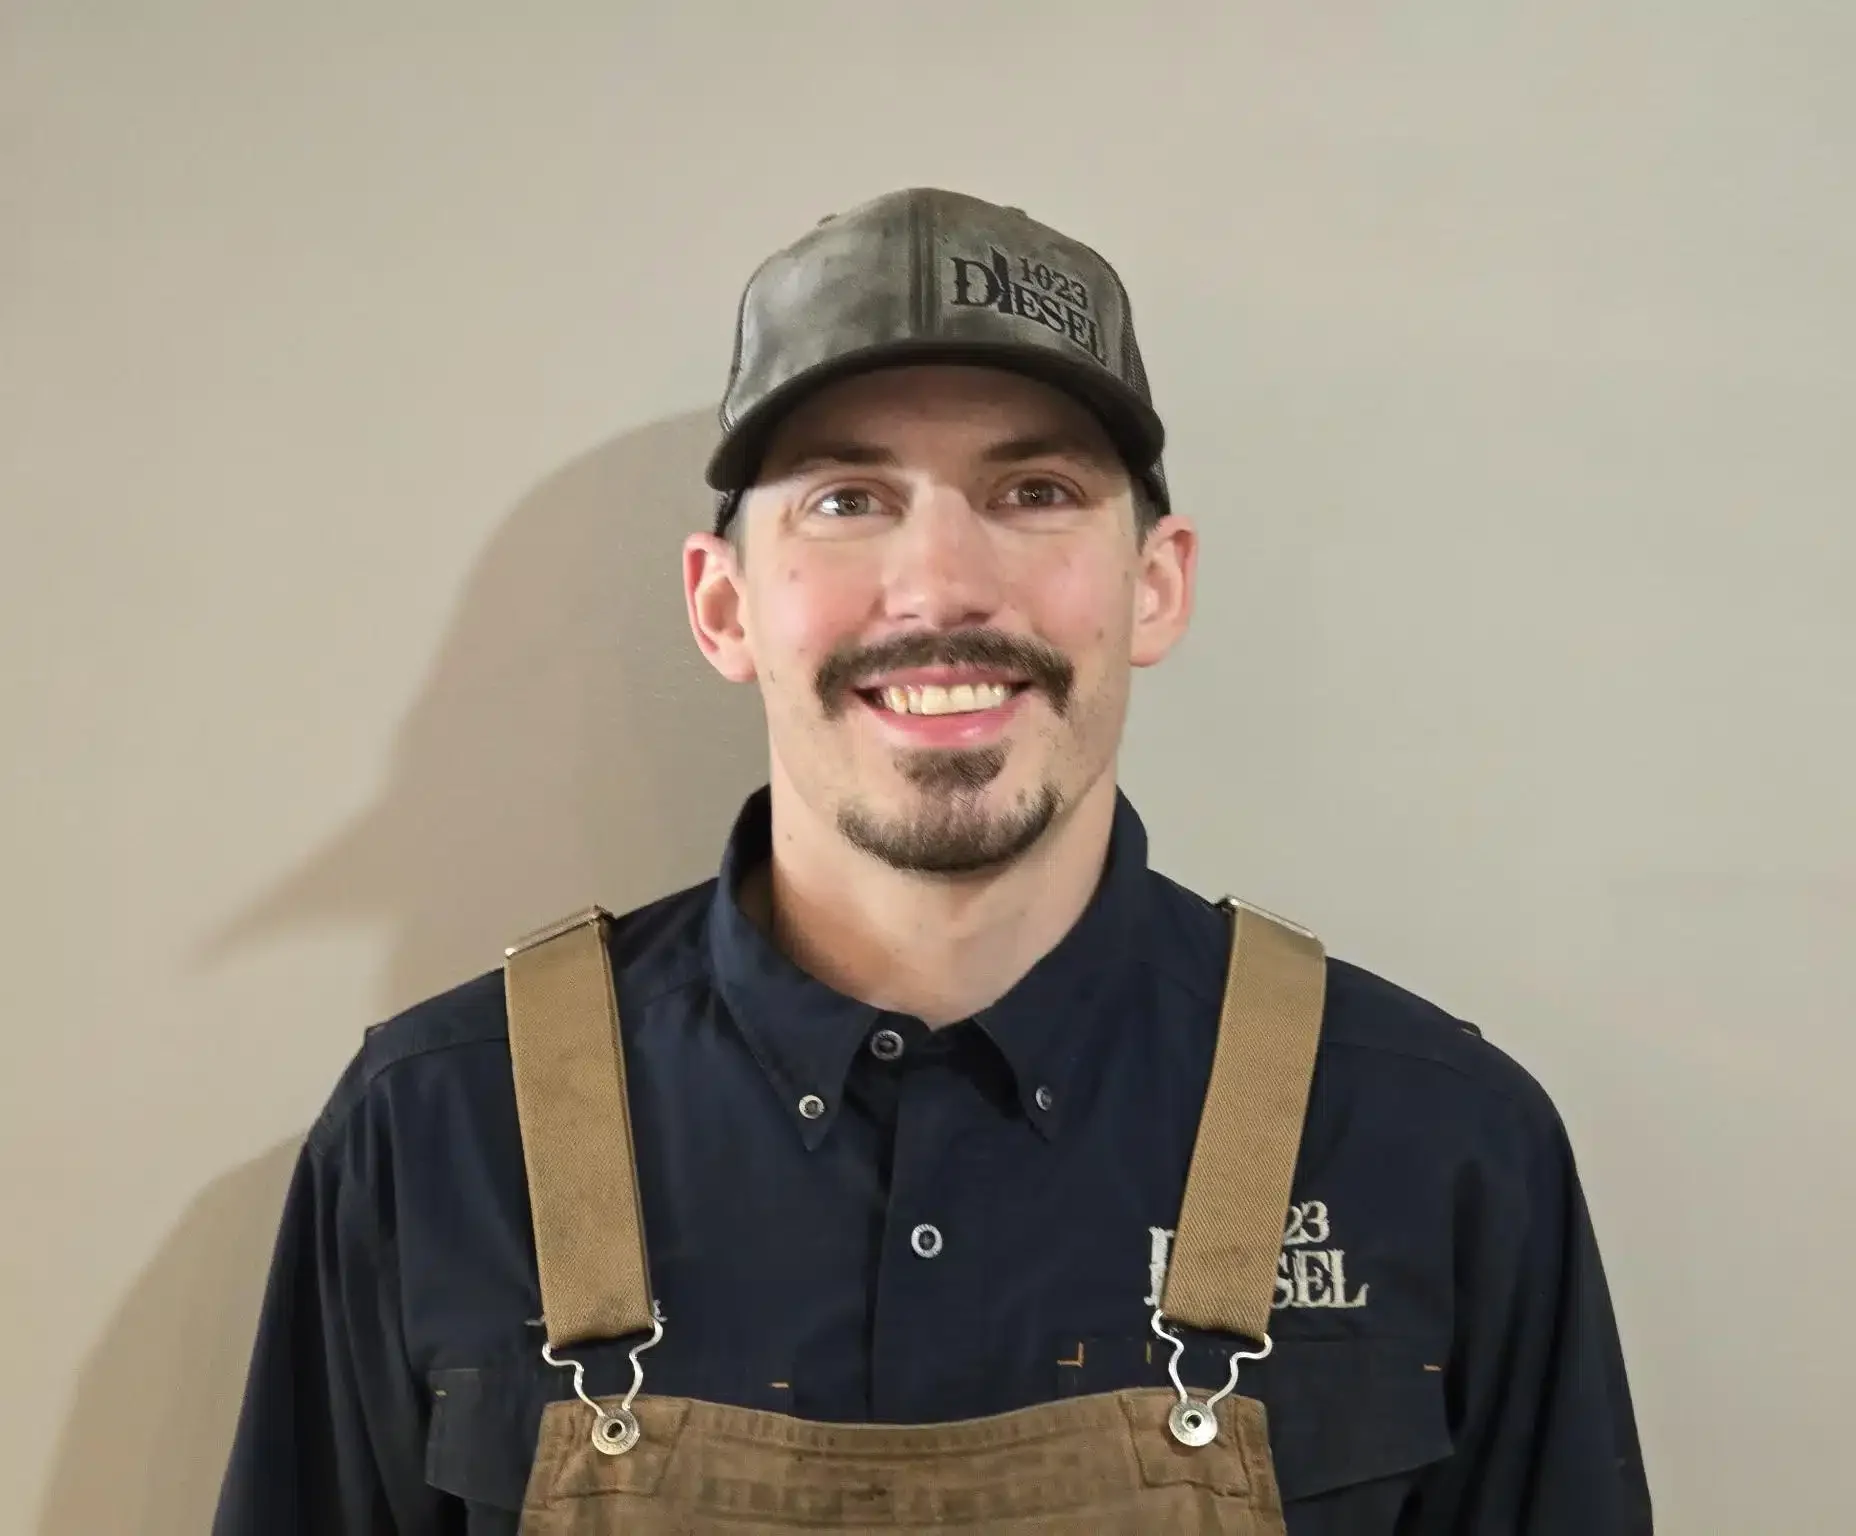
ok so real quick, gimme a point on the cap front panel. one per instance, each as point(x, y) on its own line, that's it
point(843, 289)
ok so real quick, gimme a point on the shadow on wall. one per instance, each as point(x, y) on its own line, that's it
point(155, 1400)
point(570, 746)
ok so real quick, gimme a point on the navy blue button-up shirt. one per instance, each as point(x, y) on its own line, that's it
point(976, 1223)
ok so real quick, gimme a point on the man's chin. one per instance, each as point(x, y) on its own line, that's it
point(951, 831)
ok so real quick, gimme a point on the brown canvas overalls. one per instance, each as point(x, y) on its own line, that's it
point(1148, 1460)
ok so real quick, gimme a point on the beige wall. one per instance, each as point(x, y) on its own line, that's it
point(355, 374)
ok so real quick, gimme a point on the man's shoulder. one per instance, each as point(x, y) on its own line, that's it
point(655, 947)
point(1380, 1024)
point(1410, 1078)
point(1391, 1039)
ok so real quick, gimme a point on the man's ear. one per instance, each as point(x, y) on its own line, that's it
point(1163, 589)
point(715, 595)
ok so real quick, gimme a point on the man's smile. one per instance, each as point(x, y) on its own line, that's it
point(939, 714)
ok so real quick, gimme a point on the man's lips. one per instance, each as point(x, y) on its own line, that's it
point(918, 695)
point(948, 728)
point(894, 692)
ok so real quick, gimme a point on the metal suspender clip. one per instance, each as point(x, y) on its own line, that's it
point(1193, 1421)
point(615, 1431)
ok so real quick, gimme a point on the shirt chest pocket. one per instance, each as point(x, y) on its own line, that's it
point(1352, 1424)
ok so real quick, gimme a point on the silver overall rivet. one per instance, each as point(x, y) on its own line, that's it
point(615, 1433)
point(1192, 1423)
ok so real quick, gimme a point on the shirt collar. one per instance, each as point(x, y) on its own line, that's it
point(805, 1035)
point(802, 1032)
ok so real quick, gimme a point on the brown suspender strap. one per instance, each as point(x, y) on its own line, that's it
point(577, 1132)
point(1222, 1273)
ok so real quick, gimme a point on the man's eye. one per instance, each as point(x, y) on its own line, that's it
point(845, 503)
point(1040, 493)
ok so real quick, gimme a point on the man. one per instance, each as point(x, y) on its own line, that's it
point(938, 1165)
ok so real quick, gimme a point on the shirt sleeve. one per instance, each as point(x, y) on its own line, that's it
point(1546, 1441)
point(331, 1435)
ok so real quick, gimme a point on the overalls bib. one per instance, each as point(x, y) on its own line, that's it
point(1128, 1463)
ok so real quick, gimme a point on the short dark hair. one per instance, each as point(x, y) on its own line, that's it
point(1147, 508)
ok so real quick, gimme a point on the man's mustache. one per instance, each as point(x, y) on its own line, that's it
point(1045, 669)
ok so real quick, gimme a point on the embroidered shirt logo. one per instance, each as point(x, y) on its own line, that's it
point(1029, 290)
point(1310, 1272)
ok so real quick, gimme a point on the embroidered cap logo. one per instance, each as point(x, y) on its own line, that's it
point(1023, 289)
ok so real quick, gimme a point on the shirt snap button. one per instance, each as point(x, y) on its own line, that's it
point(1043, 1098)
point(886, 1045)
point(926, 1240)
point(811, 1106)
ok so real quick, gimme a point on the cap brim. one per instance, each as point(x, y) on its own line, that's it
point(1130, 421)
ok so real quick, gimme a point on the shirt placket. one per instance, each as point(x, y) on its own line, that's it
point(932, 1263)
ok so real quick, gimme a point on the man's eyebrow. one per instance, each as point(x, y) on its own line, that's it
point(817, 455)
point(1012, 450)
point(1053, 445)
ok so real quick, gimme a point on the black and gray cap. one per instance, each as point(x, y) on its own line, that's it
point(928, 276)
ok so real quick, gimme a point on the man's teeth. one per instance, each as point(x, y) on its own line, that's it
point(963, 699)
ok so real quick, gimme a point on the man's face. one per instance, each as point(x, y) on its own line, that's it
point(941, 599)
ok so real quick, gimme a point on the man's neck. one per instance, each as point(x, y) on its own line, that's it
point(936, 948)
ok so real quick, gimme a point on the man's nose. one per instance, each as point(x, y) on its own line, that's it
point(944, 570)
